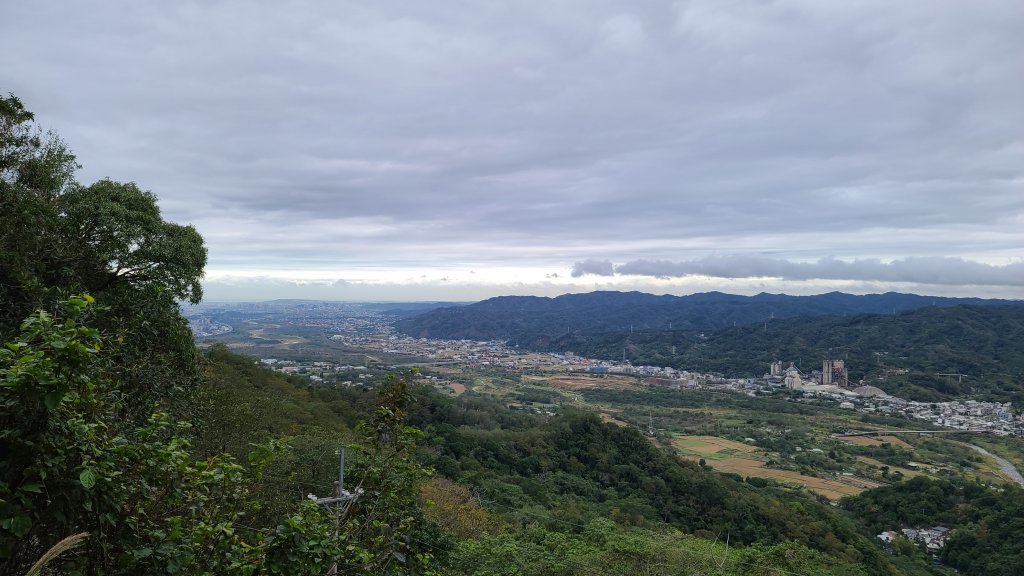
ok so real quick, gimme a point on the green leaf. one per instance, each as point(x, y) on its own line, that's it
point(88, 478)
point(31, 487)
point(20, 525)
point(53, 399)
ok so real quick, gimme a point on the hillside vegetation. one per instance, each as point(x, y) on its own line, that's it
point(121, 452)
point(950, 337)
point(534, 321)
point(986, 543)
point(982, 342)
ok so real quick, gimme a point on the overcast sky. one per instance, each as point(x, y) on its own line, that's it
point(459, 150)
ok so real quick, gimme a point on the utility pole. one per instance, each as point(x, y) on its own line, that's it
point(341, 496)
point(341, 472)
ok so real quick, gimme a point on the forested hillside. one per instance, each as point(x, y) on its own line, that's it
point(986, 542)
point(119, 452)
point(535, 321)
point(879, 335)
point(514, 493)
point(982, 342)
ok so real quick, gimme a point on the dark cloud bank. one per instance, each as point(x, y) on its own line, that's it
point(345, 136)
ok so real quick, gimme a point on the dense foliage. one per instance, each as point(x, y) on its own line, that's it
point(560, 496)
point(101, 471)
point(880, 335)
point(577, 468)
point(604, 548)
point(986, 523)
point(147, 503)
point(60, 237)
point(537, 322)
point(982, 342)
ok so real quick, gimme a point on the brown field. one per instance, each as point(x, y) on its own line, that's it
point(458, 388)
point(876, 441)
point(830, 488)
point(746, 460)
point(605, 417)
point(583, 382)
point(711, 445)
point(905, 471)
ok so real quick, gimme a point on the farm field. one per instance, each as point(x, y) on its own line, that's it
point(746, 460)
point(585, 382)
point(876, 441)
point(907, 472)
point(606, 417)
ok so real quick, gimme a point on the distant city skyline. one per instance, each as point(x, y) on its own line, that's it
point(397, 151)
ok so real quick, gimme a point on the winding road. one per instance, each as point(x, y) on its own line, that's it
point(1005, 465)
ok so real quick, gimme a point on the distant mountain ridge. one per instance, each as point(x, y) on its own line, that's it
point(531, 318)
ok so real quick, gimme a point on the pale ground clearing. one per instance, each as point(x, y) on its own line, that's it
point(747, 460)
point(876, 441)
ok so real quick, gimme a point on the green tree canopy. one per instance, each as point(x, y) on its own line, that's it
point(108, 239)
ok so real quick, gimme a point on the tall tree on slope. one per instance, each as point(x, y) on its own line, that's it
point(59, 237)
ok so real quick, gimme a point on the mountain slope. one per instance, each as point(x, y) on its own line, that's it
point(986, 343)
point(522, 319)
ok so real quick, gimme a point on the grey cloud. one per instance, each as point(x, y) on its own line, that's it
point(338, 134)
point(921, 270)
point(595, 267)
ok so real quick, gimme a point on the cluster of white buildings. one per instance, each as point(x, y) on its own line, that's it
point(967, 415)
point(933, 538)
point(994, 417)
point(204, 326)
point(315, 371)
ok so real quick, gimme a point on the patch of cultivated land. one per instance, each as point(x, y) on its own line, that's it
point(583, 382)
point(457, 388)
point(876, 441)
point(909, 473)
point(605, 417)
point(746, 460)
point(712, 447)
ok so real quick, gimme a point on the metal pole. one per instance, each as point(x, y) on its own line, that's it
point(333, 571)
point(341, 472)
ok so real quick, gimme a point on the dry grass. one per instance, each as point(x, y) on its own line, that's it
point(830, 488)
point(746, 460)
point(876, 441)
point(878, 463)
point(69, 543)
point(605, 417)
point(583, 382)
point(711, 446)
